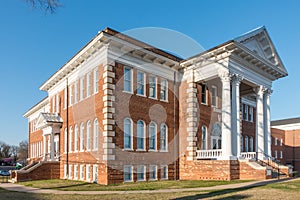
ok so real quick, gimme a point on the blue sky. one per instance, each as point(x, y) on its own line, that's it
point(34, 45)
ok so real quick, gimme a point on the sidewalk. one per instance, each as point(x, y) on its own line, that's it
point(21, 188)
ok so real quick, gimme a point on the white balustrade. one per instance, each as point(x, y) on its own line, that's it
point(208, 154)
point(248, 155)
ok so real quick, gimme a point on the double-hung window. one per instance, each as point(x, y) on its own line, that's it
point(163, 137)
point(153, 172)
point(204, 135)
point(152, 87)
point(141, 83)
point(214, 96)
point(81, 137)
point(81, 89)
point(152, 136)
point(88, 84)
point(141, 173)
point(164, 90)
point(127, 134)
point(88, 135)
point(127, 173)
point(95, 147)
point(128, 79)
point(140, 135)
point(96, 80)
point(203, 93)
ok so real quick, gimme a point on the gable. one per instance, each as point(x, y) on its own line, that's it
point(259, 42)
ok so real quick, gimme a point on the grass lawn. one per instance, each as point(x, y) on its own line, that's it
point(70, 185)
point(287, 190)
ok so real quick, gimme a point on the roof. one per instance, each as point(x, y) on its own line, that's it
point(37, 106)
point(285, 121)
point(46, 119)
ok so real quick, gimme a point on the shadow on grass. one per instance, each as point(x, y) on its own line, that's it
point(66, 186)
point(217, 193)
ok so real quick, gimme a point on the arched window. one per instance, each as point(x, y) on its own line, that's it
point(65, 140)
point(204, 136)
point(163, 137)
point(70, 139)
point(140, 135)
point(76, 138)
point(81, 137)
point(88, 135)
point(152, 136)
point(96, 134)
point(127, 133)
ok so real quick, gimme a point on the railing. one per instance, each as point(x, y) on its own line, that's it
point(209, 154)
point(248, 155)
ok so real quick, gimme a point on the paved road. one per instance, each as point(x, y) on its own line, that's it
point(21, 188)
point(7, 168)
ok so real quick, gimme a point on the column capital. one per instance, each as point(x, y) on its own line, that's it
point(259, 90)
point(268, 91)
point(225, 76)
point(236, 78)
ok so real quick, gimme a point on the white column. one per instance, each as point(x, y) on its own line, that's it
point(236, 123)
point(226, 117)
point(45, 147)
point(260, 123)
point(52, 146)
point(267, 127)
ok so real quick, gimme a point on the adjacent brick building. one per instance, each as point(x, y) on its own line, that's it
point(121, 110)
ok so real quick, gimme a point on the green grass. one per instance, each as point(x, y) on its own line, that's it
point(287, 186)
point(70, 185)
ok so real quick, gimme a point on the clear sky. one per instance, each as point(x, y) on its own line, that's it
point(34, 45)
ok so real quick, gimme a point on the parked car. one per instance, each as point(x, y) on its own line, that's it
point(4, 173)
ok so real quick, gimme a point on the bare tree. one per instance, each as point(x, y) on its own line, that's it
point(4, 150)
point(23, 150)
point(47, 5)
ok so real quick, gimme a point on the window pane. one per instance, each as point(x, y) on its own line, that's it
point(127, 134)
point(96, 134)
point(140, 135)
point(214, 96)
point(127, 173)
point(152, 87)
point(163, 90)
point(163, 137)
point(141, 173)
point(203, 137)
point(141, 83)
point(152, 137)
point(203, 93)
point(127, 80)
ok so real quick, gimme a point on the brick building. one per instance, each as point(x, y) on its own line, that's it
point(121, 110)
point(286, 141)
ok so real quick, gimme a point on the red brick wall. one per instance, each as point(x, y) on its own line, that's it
point(249, 173)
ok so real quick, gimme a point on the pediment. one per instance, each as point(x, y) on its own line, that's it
point(259, 42)
point(47, 119)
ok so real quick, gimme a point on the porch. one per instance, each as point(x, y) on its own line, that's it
point(216, 154)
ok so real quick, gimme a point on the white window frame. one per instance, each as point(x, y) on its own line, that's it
point(251, 146)
point(71, 95)
point(251, 113)
point(65, 140)
point(130, 135)
point(81, 94)
point(88, 84)
point(81, 172)
point(164, 170)
point(65, 98)
point(281, 141)
point(75, 172)
point(141, 135)
point(204, 94)
point(96, 134)
point(82, 137)
point(281, 155)
point(128, 169)
point(76, 138)
point(152, 136)
point(164, 89)
point(95, 173)
point(155, 86)
point(96, 80)
point(141, 169)
point(165, 149)
point(57, 103)
point(88, 172)
point(275, 154)
point(276, 141)
point(242, 143)
point(214, 96)
point(246, 144)
point(70, 172)
point(88, 136)
point(128, 81)
point(152, 168)
point(76, 92)
point(65, 171)
point(70, 140)
point(53, 104)
point(141, 83)
point(246, 112)
point(204, 138)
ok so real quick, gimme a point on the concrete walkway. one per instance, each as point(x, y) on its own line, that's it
point(21, 188)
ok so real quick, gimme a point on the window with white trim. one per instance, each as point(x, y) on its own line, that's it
point(214, 96)
point(127, 133)
point(140, 135)
point(141, 83)
point(152, 87)
point(95, 173)
point(81, 137)
point(76, 138)
point(204, 135)
point(276, 141)
point(70, 95)
point(281, 155)
point(76, 92)
point(246, 144)
point(81, 88)
point(250, 114)
point(164, 90)
point(163, 137)
point(245, 112)
point(128, 79)
point(95, 134)
point(141, 172)
point(65, 98)
point(65, 140)
point(203, 93)
point(88, 173)
point(96, 80)
point(65, 171)
point(53, 104)
point(88, 136)
point(81, 171)
point(71, 139)
point(57, 103)
point(76, 172)
point(152, 136)
point(70, 171)
point(88, 84)
point(275, 154)
point(153, 172)
point(128, 173)
point(164, 172)
point(281, 141)
point(242, 143)
point(251, 146)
